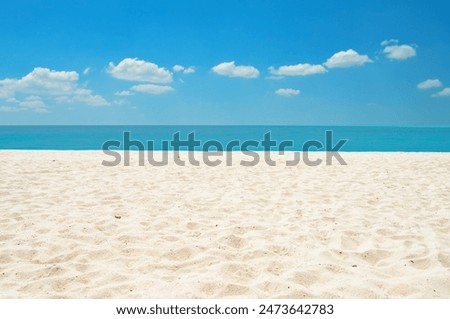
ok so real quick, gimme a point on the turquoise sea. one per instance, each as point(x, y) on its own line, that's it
point(359, 138)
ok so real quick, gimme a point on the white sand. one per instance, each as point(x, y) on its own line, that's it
point(377, 228)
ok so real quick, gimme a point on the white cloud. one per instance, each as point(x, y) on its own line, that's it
point(152, 88)
point(297, 70)
point(86, 96)
point(34, 103)
point(389, 42)
point(287, 92)
point(240, 71)
point(347, 59)
point(9, 109)
point(274, 77)
point(87, 70)
point(53, 85)
point(189, 70)
point(178, 68)
point(123, 93)
point(428, 84)
point(83, 96)
point(399, 52)
point(41, 81)
point(444, 92)
point(139, 70)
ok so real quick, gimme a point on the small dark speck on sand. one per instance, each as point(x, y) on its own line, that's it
point(354, 266)
point(117, 216)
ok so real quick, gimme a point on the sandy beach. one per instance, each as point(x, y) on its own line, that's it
point(378, 227)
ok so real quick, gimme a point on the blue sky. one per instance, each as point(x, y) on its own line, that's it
point(225, 62)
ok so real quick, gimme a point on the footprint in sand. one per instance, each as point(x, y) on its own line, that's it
point(235, 241)
point(444, 260)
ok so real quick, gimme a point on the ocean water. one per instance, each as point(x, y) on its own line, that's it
point(358, 138)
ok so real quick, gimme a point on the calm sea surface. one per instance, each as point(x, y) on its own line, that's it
point(368, 138)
